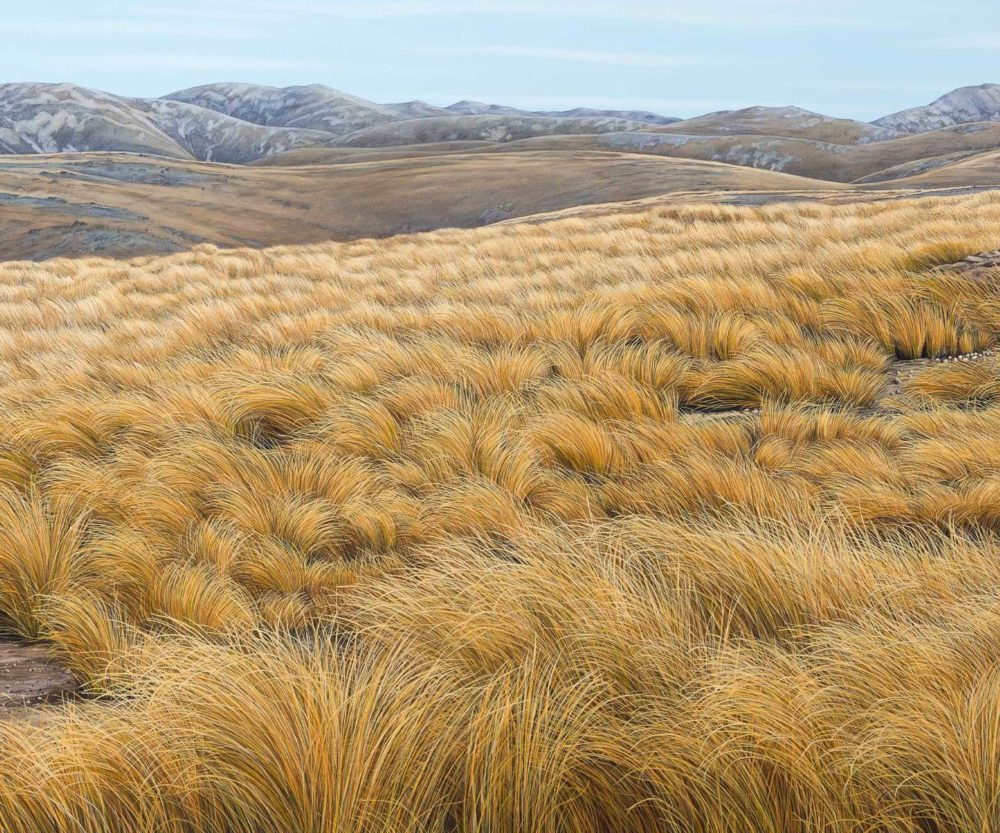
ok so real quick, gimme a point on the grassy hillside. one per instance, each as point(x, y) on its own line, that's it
point(115, 204)
point(875, 161)
point(337, 155)
point(870, 162)
point(662, 521)
point(980, 170)
point(789, 122)
point(867, 160)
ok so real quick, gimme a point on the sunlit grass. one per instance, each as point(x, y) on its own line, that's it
point(596, 524)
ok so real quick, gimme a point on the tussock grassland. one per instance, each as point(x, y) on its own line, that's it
point(603, 524)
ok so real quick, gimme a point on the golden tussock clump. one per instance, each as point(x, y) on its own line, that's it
point(611, 523)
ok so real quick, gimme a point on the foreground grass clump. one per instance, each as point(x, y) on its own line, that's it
point(604, 524)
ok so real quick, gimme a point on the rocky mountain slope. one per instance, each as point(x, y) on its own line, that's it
point(478, 108)
point(241, 123)
point(418, 110)
point(961, 106)
point(54, 118)
point(480, 128)
point(315, 107)
point(214, 137)
point(61, 118)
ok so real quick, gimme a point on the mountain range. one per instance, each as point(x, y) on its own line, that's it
point(243, 123)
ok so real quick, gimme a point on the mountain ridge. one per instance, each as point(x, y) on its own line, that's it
point(479, 108)
point(241, 123)
point(964, 105)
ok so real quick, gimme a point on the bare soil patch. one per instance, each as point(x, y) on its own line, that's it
point(973, 263)
point(30, 678)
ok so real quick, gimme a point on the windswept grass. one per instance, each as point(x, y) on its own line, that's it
point(597, 524)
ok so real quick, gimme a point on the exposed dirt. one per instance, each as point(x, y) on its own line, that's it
point(985, 265)
point(900, 371)
point(29, 678)
point(974, 263)
point(982, 264)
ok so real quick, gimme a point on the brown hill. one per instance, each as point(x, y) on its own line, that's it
point(120, 205)
point(801, 157)
point(981, 170)
point(790, 122)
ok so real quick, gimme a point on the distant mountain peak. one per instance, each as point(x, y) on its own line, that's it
point(978, 103)
point(788, 111)
point(65, 117)
point(312, 106)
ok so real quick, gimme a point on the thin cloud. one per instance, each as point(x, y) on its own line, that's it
point(124, 27)
point(985, 42)
point(726, 14)
point(199, 63)
point(584, 56)
point(883, 86)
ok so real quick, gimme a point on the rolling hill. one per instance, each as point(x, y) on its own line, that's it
point(788, 122)
point(119, 204)
point(980, 170)
point(801, 157)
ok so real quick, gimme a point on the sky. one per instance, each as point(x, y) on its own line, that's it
point(850, 58)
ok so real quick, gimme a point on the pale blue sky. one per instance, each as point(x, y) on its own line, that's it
point(856, 58)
